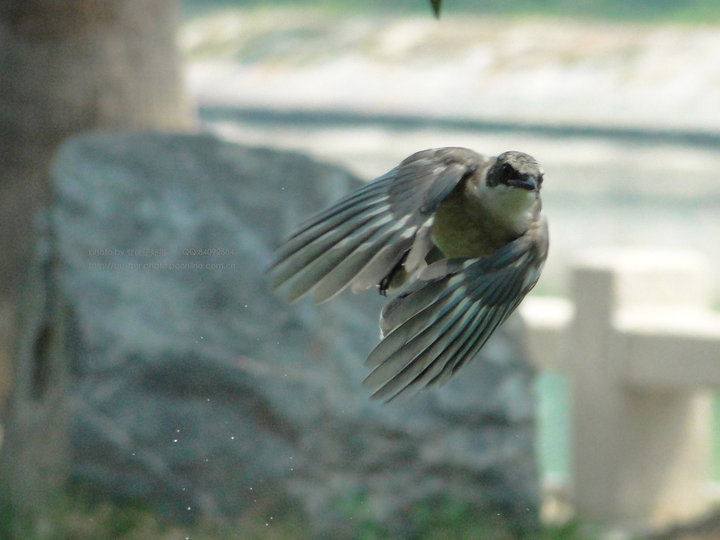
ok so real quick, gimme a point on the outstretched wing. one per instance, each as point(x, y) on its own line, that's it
point(362, 238)
point(432, 330)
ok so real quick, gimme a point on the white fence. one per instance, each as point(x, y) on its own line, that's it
point(641, 349)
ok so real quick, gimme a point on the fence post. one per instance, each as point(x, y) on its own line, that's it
point(639, 453)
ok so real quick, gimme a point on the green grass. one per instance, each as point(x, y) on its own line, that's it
point(645, 11)
point(73, 516)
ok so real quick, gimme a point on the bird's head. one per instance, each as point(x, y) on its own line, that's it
point(510, 189)
point(515, 170)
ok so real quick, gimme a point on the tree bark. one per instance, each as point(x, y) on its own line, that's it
point(67, 67)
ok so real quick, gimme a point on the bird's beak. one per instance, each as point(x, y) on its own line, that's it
point(529, 182)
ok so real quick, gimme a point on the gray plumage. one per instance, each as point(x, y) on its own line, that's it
point(460, 235)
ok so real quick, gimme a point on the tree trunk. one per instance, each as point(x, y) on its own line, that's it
point(67, 67)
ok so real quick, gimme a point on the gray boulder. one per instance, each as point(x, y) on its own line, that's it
point(155, 365)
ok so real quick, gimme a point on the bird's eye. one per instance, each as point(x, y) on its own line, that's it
point(507, 172)
point(540, 180)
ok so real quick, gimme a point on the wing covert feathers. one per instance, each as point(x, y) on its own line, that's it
point(433, 330)
point(359, 240)
point(451, 306)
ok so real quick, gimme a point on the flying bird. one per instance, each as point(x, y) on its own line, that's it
point(457, 235)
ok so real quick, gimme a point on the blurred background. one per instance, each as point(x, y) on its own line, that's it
point(619, 101)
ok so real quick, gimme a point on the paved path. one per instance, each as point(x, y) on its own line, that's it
point(547, 71)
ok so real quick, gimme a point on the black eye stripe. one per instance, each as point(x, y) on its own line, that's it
point(508, 172)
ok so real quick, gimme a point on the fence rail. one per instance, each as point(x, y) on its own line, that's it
point(641, 348)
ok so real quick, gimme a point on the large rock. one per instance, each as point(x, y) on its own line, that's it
point(151, 339)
